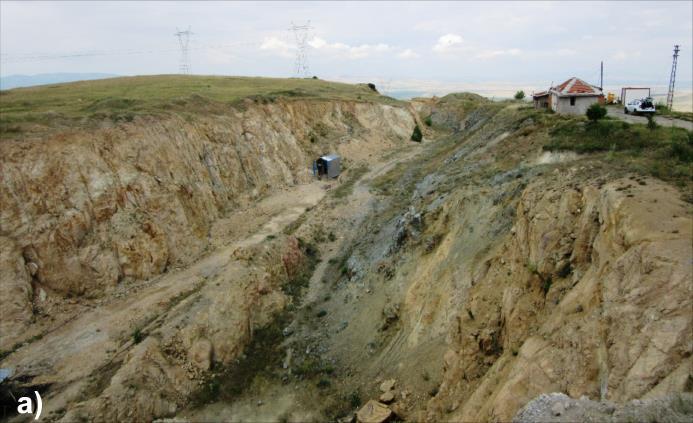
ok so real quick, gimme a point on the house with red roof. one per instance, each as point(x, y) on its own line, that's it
point(573, 96)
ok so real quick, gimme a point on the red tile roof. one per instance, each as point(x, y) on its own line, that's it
point(576, 86)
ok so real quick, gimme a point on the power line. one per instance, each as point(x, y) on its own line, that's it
point(183, 41)
point(672, 79)
point(301, 33)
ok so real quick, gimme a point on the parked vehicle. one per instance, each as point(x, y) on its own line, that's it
point(629, 94)
point(643, 105)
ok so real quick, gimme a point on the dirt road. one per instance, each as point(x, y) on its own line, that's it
point(272, 400)
point(618, 113)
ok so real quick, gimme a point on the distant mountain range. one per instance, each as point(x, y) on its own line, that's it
point(15, 81)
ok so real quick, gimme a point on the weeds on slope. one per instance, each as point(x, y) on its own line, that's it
point(263, 356)
point(663, 152)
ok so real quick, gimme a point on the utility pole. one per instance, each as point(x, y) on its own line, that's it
point(183, 40)
point(601, 77)
point(672, 79)
point(301, 33)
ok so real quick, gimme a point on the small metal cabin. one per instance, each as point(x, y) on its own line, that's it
point(328, 165)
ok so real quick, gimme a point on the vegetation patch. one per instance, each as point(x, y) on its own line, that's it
point(294, 287)
point(663, 110)
point(416, 136)
point(663, 152)
point(261, 357)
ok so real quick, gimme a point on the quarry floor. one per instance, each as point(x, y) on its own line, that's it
point(268, 399)
point(81, 343)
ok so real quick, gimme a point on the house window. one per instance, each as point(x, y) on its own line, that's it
point(572, 101)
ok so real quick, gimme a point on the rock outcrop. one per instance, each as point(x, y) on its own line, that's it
point(589, 295)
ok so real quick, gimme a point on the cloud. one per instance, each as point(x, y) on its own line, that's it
point(447, 43)
point(286, 49)
point(407, 54)
point(345, 50)
point(278, 46)
point(490, 54)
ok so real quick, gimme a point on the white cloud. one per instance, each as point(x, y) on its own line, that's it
point(448, 42)
point(351, 52)
point(490, 54)
point(407, 54)
point(278, 46)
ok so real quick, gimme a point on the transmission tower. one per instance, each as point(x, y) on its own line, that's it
point(301, 33)
point(672, 79)
point(183, 40)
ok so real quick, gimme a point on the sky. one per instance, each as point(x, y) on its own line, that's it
point(399, 45)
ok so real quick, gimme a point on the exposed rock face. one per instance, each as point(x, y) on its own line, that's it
point(589, 295)
point(85, 209)
point(15, 281)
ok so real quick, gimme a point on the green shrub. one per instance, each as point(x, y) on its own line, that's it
point(651, 124)
point(428, 121)
point(682, 149)
point(596, 112)
point(137, 336)
point(519, 95)
point(417, 136)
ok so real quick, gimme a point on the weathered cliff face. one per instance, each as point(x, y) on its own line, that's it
point(81, 210)
point(589, 295)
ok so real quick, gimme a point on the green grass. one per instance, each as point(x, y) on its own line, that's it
point(663, 110)
point(122, 99)
point(663, 152)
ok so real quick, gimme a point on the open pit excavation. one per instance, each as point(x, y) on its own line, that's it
point(176, 258)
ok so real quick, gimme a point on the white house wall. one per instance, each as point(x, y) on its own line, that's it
point(580, 107)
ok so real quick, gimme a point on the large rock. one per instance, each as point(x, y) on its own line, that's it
point(374, 412)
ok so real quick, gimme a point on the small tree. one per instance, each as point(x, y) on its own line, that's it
point(596, 112)
point(417, 135)
point(651, 123)
point(519, 95)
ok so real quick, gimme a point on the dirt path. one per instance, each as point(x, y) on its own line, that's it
point(356, 209)
point(618, 113)
point(268, 400)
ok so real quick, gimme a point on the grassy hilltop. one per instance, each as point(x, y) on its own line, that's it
point(123, 98)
